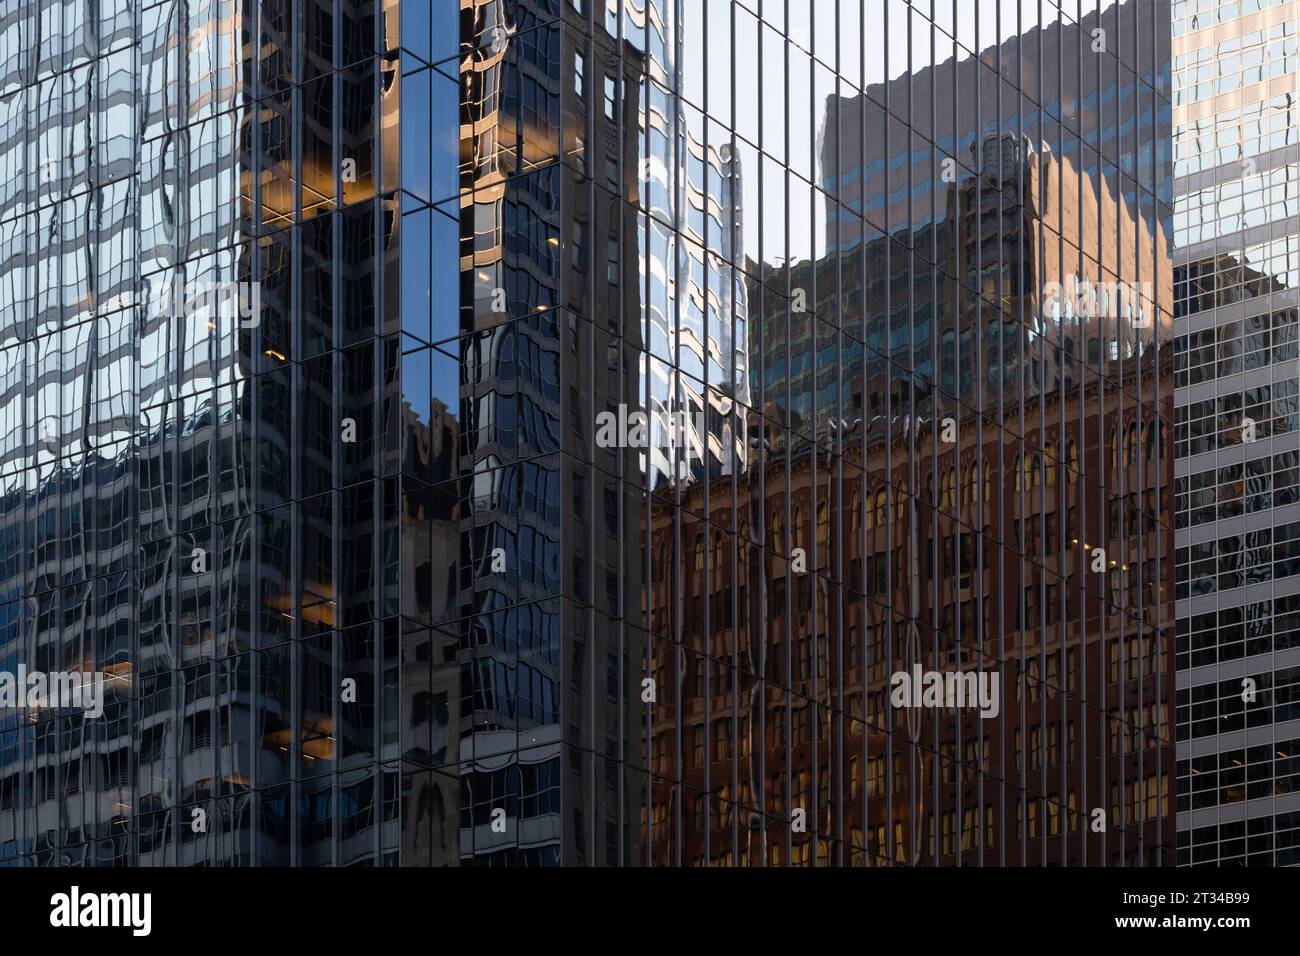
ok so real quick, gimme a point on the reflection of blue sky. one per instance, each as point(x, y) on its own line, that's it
point(430, 375)
point(890, 48)
point(444, 383)
point(415, 382)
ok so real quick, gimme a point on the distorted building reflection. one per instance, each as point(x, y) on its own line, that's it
point(369, 579)
point(945, 442)
point(186, 338)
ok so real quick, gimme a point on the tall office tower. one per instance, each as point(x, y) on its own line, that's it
point(521, 557)
point(201, 352)
point(551, 432)
point(1236, 97)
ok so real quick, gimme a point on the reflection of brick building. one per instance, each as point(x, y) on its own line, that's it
point(773, 685)
point(1059, 633)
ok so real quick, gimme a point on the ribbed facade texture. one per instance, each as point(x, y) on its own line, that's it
point(201, 444)
point(598, 432)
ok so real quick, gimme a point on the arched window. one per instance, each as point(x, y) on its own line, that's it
point(796, 530)
point(699, 551)
point(882, 508)
point(778, 530)
point(1049, 465)
point(856, 520)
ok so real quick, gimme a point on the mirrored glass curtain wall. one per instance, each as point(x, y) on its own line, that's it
point(646, 432)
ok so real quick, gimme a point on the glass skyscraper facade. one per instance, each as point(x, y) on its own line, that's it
point(553, 431)
point(1236, 99)
point(202, 440)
